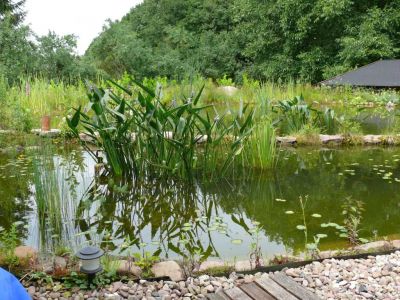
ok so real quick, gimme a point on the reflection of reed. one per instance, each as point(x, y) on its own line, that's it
point(155, 211)
point(55, 182)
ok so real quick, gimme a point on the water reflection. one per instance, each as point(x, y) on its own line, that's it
point(174, 219)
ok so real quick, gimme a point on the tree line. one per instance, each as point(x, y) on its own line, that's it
point(306, 40)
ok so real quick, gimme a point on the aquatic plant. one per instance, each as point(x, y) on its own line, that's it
point(260, 151)
point(328, 121)
point(8, 242)
point(352, 211)
point(255, 247)
point(145, 261)
point(311, 247)
point(294, 113)
point(143, 136)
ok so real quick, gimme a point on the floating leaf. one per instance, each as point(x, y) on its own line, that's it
point(237, 241)
point(280, 200)
point(322, 235)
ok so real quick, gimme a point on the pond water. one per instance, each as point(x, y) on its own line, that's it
point(211, 219)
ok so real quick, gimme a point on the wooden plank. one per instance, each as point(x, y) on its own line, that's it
point(218, 296)
point(237, 294)
point(292, 286)
point(275, 289)
point(255, 292)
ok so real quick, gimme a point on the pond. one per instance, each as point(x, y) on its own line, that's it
point(219, 219)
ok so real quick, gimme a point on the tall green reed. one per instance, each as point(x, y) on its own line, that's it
point(143, 136)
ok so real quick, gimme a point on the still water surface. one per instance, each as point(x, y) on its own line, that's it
point(211, 219)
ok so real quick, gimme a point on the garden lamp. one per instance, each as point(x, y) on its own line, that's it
point(90, 259)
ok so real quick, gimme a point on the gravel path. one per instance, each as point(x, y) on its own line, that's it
point(372, 278)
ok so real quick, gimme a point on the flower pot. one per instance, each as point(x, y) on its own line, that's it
point(45, 122)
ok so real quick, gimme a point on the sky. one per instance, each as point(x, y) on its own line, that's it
point(84, 18)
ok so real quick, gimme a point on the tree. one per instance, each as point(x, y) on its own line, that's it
point(56, 56)
point(267, 39)
point(13, 9)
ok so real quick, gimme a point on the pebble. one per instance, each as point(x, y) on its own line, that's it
point(372, 278)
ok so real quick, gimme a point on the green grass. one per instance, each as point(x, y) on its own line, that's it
point(24, 104)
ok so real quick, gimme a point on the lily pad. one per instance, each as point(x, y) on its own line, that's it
point(301, 227)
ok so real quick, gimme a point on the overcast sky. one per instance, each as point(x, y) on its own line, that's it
point(84, 18)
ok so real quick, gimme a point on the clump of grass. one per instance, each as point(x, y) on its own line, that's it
point(260, 150)
point(308, 135)
point(217, 271)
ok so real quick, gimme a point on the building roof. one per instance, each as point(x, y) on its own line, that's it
point(382, 73)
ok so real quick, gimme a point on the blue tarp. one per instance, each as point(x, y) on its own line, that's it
point(10, 288)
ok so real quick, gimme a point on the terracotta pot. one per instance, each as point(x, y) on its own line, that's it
point(46, 123)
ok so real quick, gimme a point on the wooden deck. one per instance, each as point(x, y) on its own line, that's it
point(276, 287)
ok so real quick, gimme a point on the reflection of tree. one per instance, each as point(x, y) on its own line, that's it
point(175, 214)
point(316, 175)
point(14, 192)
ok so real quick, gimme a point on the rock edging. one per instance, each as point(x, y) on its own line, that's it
point(323, 139)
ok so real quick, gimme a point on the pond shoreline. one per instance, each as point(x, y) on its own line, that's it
point(289, 140)
point(368, 276)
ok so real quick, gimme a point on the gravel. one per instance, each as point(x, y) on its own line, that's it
point(372, 278)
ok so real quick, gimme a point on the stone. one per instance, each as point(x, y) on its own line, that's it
point(168, 268)
point(86, 138)
point(372, 139)
point(126, 267)
point(378, 245)
point(54, 295)
point(229, 90)
point(209, 264)
point(31, 290)
point(325, 139)
point(286, 140)
point(53, 133)
point(60, 262)
point(25, 252)
point(328, 254)
point(292, 272)
point(396, 244)
point(245, 265)
point(116, 286)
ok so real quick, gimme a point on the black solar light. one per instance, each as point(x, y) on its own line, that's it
point(90, 259)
